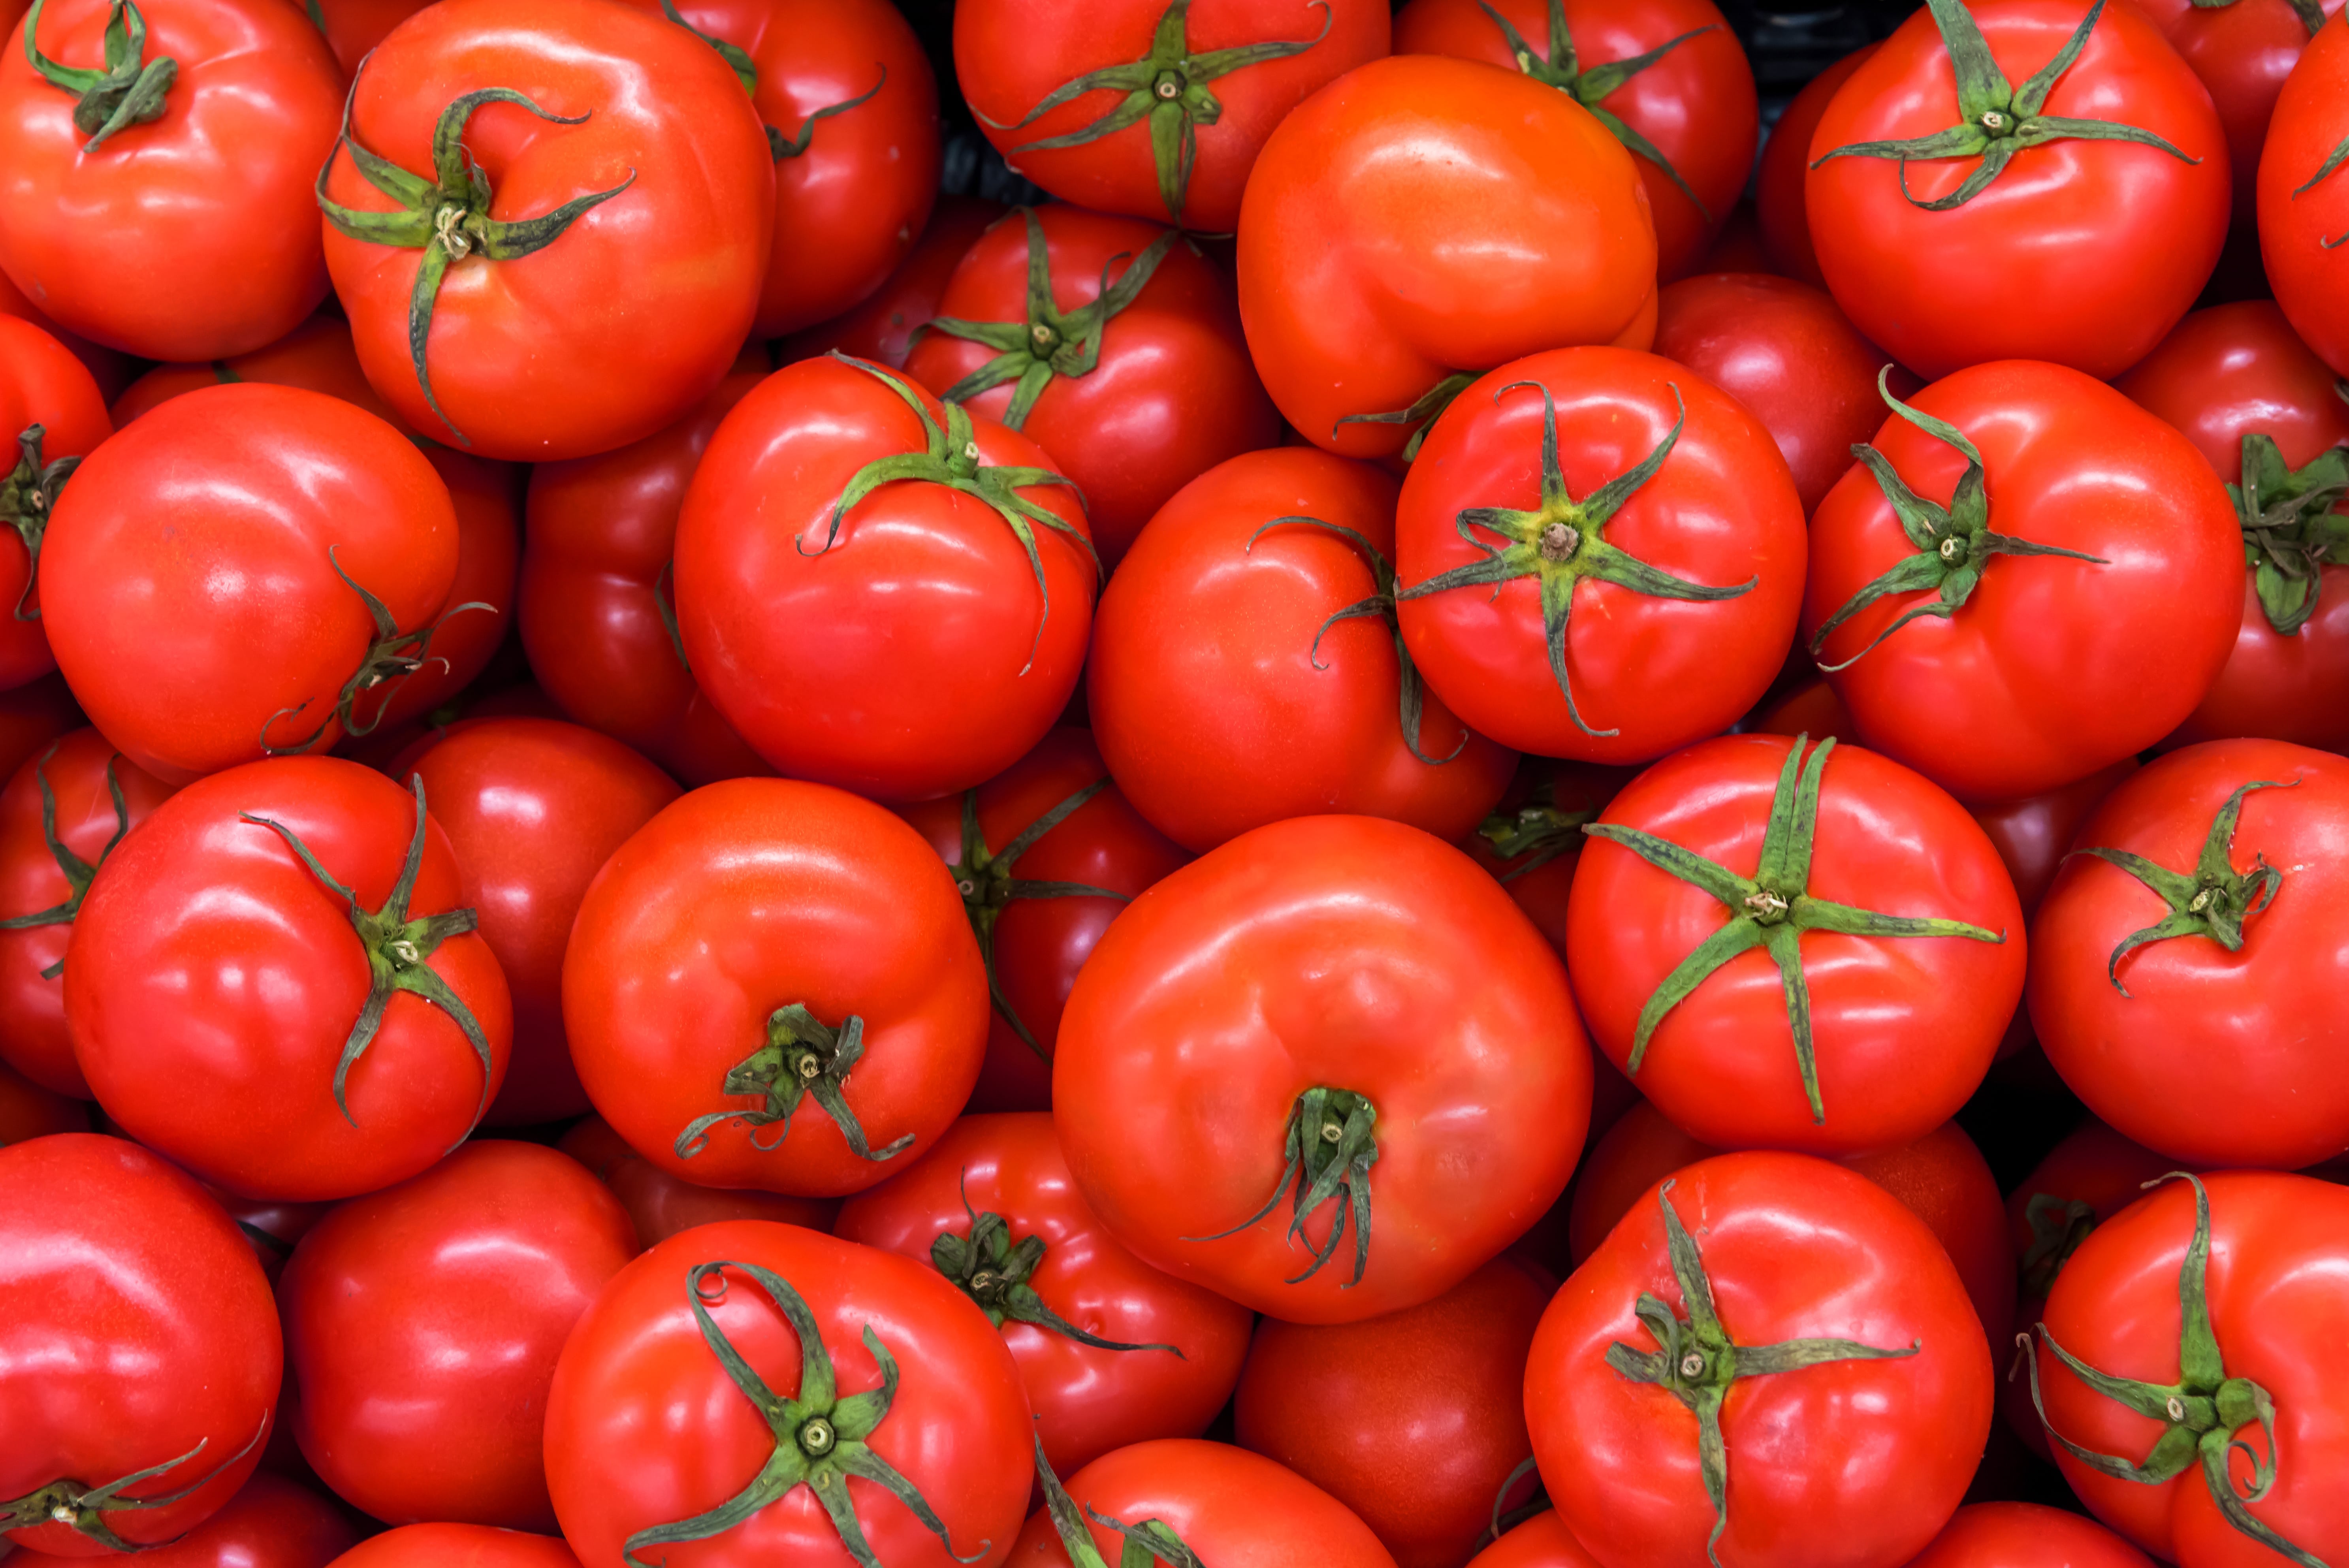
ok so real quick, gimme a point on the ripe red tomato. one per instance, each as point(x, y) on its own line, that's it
point(1541, 1542)
point(1781, 959)
point(457, 1546)
point(167, 214)
point(1855, 1453)
point(353, 28)
point(296, 1024)
point(2303, 200)
point(31, 716)
point(30, 1111)
point(2087, 569)
point(112, 368)
point(1337, 992)
point(839, 1360)
point(51, 417)
point(59, 818)
point(769, 953)
point(1667, 78)
point(1953, 240)
point(1135, 377)
point(1649, 485)
point(1810, 707)
point(1785, 169)
point(316, 356)
point(1230, 1506)
point(2026, 1535)
point(2243, 50)
point(271, 1522)
point(139, 1351)
point(992, 1208)
point(1534, 838)
point(660, 1205)
point(881, 328)
point(2032, 835)
point(1422, 222)
point(1244, 673)
point(554, 320)
point(1197, 93)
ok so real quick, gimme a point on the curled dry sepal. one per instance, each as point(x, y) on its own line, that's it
point(83, 1508)
point(129, 91)
point(993, 1270)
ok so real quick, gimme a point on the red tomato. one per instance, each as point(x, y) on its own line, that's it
point(1811, 708)
point(31, 716)
point(1854, 1454)
point(2243, 50)
point(2303, 201)
point(1667, 78)
point(2087, 575)
point(1534, 838)
point(271, 1522)
point(660, 1205)
point(30, 1111)
point(167, 215)
point(869, 1357)
point(881, 328)
point(2082, 249)
point(51, 417)
point(353, 28)
point(1541, 1542)
point(576, 327)
point(288, 1023)
point(1690, 975)
point(955, 601)
point(316, 356)
point(785, 945)
point(1231, 687)
point(1661, 493)
point(59, 818)
point(1211, 86)
point(2026, 1535)
point(992, 1208)
point(139, 1352)
point(533, 808)
point(2032, 835)
point(112, 368)
point(1310, 999)
point(1230, 1506)
point(1785, 168)
point(457, 1546)
point(1420, 223)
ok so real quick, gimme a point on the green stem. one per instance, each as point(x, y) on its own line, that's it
point(2291, 531)
point(1421, 416)
point(993, 1270)
point(1152, 1541)
point(1329, 1150)
point(28, 497)
point(2212, 900)
point(129, 91)
point(83, 1508)
point(803, 1057)
point(393, 657)
point(77, 871)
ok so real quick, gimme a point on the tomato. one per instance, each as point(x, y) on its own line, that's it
point(457, 1546)
point(30, 1111)
point(1667, 78)
point(1853, 1454)
point(166, 215)
point(956, 598)
point(1952, 244)
point(2186, 963)
point(1414, 1420)
point(2086, 564)
point(1784, 167)
point(1685, 935)
point(353, 28)
point(1044, 854)
point(613, 274)
point(422, 1324)
point(771, 942)
point(1422, 221)
point(881, 328)
point(1231, 1508)
point(2303, 201)
point(316, 356)
point(1312, 999)
point(1197, 96)
point(533, 809)
point(139, 1352)
point(274, 986)
point(2091, 1176)
point(60, 816)
point(31, 716)
point(660, 1205)
point(2250, 1257)
point(1809, 708)
point(110, 368)
point(2243, 50)
point(1111, 1351)
point(51, 417)
point(898, 1381)
point(2035, 834)
point(2026, 1535)
point(1243, 673)
point(1541, 1542)
point(1533, 840)
point(271, 1522)
point(1651, 485)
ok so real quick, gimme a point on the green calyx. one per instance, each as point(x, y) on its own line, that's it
point(1329, 1150)
point(820, 1436)
point(1537, 833)
point(1953, 544)
point(83, 1508)
point(1697, 1362)
point(1168, 87)
point(77, 871)
point(1563, 542)
point(1421, 416)
point(2058, 1226)
point(950, 457)
point(2291, 531)
point(2201, 1413)
point(1995, 122)
point(1412, 692)
point(746, 71)
point(28, 495)
point(993, 1270)
point(447, 216)
point(803, 1056)
point(129, 91)
point(1504, 1518)
point(2214, 901)
point(390, 660)
point(1153, 1540)
point(1052, 341)
point(1770, 910)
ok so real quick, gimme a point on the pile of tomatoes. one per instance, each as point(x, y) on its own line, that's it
point(1431, 823)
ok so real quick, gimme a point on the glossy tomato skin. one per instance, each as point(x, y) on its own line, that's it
point(1722, 1064)
point(457, 1546)
point(126, 1354)
point(1695, 105)
point(2026, 1535)
point(749, 896)
point(1658, 673)
point(932, 673)
point(533, 808)
point(645, 1427)
point(1848, 1462)
point(1087, 1401)
point(191, 236)
point(1343, 952)
point(2297, 227)
point(316, 356)
point(2035, 834)
point(1541, 1542)
point(112, 368)
point(1008, 54)
point(2213, 1058)
point(214, 981)
point(353, 28)
point(626, 321)
point(882, 327)
point(2084, 251)
point(30, 1111)
point(1230, 1506)
point(660, 1205)
point(271, 1522)
point(41, 383)
point(1784, 167)
point(2053, 668)
point(2243, 52)
point(33, 1035)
